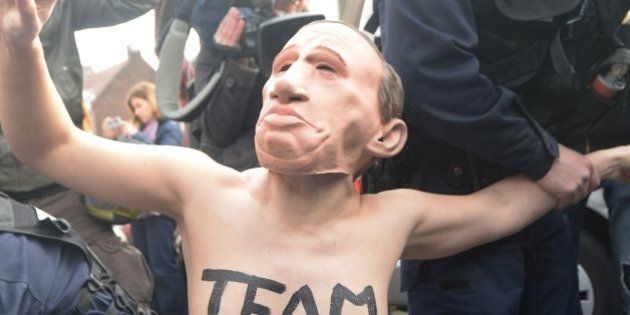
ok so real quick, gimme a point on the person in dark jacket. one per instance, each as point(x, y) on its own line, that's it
point(228, 122)
point(26, 185)
point(468, 129)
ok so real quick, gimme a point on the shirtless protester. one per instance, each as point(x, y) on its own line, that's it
point(292, 236)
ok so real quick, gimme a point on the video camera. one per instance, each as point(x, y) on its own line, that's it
point(253, 13)
point(263, 37)
point(207, 14)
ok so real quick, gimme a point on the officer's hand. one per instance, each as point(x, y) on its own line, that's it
point(230, 29)
point(22, 20)
point(571, 177)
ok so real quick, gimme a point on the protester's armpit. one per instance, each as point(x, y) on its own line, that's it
point(303, 296)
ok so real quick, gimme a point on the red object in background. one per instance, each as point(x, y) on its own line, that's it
point(357, 185)
point(603, 88)
point(188, 74)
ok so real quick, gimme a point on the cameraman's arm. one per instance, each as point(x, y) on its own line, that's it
point(101, 13)
point(228, 105)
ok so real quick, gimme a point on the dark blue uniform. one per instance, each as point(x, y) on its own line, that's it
point(39, 276)
point(468, 132)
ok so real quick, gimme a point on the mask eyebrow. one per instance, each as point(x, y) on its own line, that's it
point(332, 51)
point(275, 59)
point(318, 47)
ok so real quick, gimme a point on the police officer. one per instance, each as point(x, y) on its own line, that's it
point(466, 66)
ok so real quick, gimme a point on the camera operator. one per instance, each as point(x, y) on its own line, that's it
point(228, 121)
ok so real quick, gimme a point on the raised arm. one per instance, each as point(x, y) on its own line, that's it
point(42, 135)
point(445, 225)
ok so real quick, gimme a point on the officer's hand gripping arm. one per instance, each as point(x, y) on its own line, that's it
point(446, 225)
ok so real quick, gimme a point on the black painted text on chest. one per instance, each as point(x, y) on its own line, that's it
point(303, 296)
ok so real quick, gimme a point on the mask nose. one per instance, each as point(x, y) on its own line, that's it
point(288, 89)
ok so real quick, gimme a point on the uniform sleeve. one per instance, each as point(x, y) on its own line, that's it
point(431, 45)
point(102, 13)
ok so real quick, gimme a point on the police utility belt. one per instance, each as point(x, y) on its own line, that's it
point(19, 218)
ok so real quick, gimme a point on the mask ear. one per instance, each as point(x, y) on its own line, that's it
point(390, 141)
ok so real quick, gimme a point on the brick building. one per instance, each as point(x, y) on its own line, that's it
point(106, 91)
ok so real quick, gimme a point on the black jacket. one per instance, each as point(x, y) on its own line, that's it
point(432, 45)
point(229, 119)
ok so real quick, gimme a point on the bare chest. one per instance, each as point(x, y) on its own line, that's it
point(236, 292)
point(270, 273)
point(242, 261)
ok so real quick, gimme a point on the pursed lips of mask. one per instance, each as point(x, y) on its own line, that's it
point(283, 116)
point(320, 153)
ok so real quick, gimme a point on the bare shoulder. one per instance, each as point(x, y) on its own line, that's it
point(219, 196)
point(199, 166)
point(399, 200)
point(201, 178)
point(399, 207)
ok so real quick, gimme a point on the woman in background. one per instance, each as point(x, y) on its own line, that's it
point(153, 234)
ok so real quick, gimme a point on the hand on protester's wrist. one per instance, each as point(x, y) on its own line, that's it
point(572, 177)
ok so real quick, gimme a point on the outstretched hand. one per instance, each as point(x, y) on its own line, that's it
point(613, 164)
point(21, 20)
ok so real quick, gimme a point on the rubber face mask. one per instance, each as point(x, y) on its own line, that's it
point(288, 143)
point(320, 105)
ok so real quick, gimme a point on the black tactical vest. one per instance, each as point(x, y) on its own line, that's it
point(549, 52)
point(19, 218)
